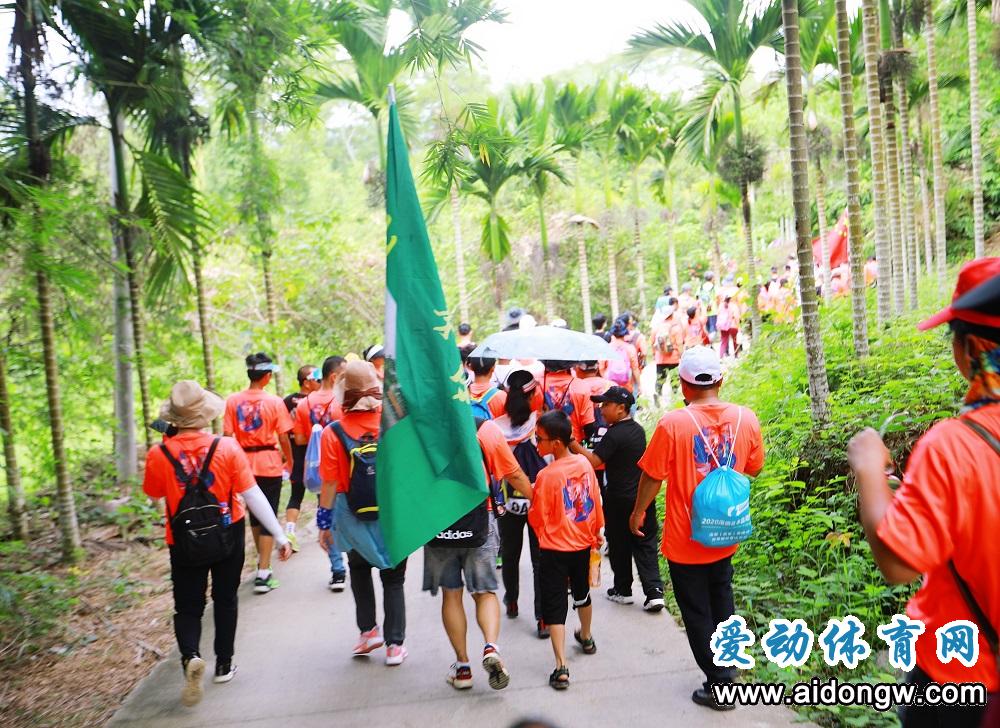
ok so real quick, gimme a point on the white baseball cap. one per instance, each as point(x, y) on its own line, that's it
point(700, 365)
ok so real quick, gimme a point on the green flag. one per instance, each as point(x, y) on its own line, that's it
point(429, 468)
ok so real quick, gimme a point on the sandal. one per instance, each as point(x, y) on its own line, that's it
point(588, 645)
point(559, 679)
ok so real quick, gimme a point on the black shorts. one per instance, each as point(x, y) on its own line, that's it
point(554, 569)
point(272, 491)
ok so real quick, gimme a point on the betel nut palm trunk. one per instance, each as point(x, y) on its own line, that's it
point(937, 154)
point(819, 390)
point(975, 126)
point(855, 229)
point(883, 251)
point(39, 165)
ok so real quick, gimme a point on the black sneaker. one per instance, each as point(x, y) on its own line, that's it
point(224, 671)
point(338, 581)
point(701, 696)
point(512, 610)
point(654, 601)
point(542, 630)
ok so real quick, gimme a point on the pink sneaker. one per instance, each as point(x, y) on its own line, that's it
point(368, 641)
point(395, 654)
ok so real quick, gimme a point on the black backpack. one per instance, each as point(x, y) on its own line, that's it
point(472, 529)
point(201, 533)
point(361, 498)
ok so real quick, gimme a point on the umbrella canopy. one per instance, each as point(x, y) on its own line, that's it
point(545, 342)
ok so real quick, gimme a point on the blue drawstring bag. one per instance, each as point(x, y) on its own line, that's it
point(310, 470)
point(720, 508)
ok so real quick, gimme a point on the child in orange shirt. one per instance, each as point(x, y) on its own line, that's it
point(566, 514)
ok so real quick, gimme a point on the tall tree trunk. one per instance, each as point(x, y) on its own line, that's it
point(69, 530)
point(819, 390)
point(609, 245)
point(672, 252)
point(975, 125)
point(892, 187)
point(908, 193)
point(640, 258)
point(870, 31)
point(463, 290)
point(925, 204)
point(126, 460)
point(39, 164)
point(265, 245)
point(125, 233)
point(824, 244)
point(937, 156)
point(208, 360)
point(755, 320)
point(15, 490)
point(581, 253)
point(547, 267)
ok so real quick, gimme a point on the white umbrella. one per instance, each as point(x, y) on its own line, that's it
point(545, 342)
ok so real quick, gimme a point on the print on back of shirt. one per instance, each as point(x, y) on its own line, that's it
point(576, 499)
point(722, 444)
point(248, 416)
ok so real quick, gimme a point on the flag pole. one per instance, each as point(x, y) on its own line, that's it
point(392, 94)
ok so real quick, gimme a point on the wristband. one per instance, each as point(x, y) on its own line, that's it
point(324, 518)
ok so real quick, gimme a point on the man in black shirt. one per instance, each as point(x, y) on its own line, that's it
point(619, 452)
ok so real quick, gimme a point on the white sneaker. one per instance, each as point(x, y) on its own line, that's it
point(191, 693)
point(653, 604)
point(395, 654)
point(617, 598)
point(460, 678)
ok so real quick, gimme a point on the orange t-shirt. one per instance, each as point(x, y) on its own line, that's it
point(677, 454)
point(320, 406)
point(229, 466)
point(669, 330)
point(563, 388)
point(945, 510)
point(334, 461)
point(496, 403)
point(695, 334)
point(565, 507)
point(256, 418)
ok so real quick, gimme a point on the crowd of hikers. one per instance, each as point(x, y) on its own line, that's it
point(566, 464)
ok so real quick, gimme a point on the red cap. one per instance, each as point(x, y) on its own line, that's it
point(973, 274)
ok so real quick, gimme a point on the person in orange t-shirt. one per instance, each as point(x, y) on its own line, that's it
point(260, 423)
point(190, 411)
point(668, 345)
point(561, 390)
point(678, 453)
point(938, 525)
point(362, 405)
point(321, 408)
point(566, 514)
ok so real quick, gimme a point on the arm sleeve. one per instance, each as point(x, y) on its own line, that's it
point(239, 467)
point(919, 522)
point(152, 484)
point(284, 420)
point(536, 512)
point(755, 456)
point(257, 503)
point(300, 419)
point(329, 448)
point(229, 420)
point(606, 447)
point(499, 456)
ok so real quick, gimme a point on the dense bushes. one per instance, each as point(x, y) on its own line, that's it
point(808, 557)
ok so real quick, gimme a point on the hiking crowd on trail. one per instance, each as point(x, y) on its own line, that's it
point(565, 463)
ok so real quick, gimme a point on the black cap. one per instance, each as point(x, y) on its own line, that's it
point(618, 395)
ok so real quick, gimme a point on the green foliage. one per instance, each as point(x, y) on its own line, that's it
point(808, 557)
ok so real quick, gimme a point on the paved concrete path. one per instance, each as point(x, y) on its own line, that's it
point(295, 670)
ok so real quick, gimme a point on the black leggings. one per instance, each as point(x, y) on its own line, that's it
point(190, 583)
point(512, 528)
point(297, 494)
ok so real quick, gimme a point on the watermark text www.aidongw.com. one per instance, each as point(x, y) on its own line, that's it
point(880, 696)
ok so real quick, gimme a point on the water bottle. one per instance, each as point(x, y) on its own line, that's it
point(595, 568)
point(227, 517)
